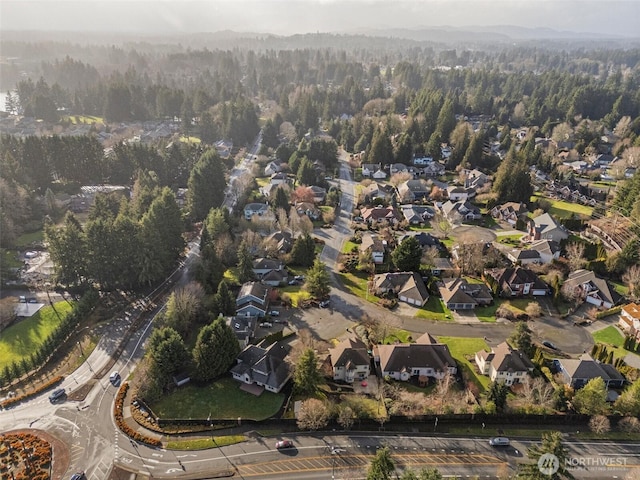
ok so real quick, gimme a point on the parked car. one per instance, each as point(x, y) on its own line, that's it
point(266, 325)
point(274, 313)
point(78, 476)
point(499, 442)
point(284, 444)
point(325, 303)
point(114, 378)
point(550, 345)
point(293, 282)
point(299, 278)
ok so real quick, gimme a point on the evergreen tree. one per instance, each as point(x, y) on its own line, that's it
point(225, 300)
point(210, 271)
point(521, 338)
point(381, 466)
point(281, 200)
point(306, 174)
point(167, 352)
point(303, 251)
point(68, 251)
point(592, 398)
point(551, 444)
point(215, 350)
point(406, 256)
point(206, 185)
point(498, 395)
point(381, 148)
point(245, 264)
point(317, 281)
point(306, 374)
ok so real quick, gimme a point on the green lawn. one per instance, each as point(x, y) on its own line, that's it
point(621, 288)
point(488, 313)
point(609, 336)
point(363, 406)
point(205, 443)
point(356, 284)
point(401, 336)
point(9, 259)
point(190, 139)
point(77, 119)
point(562, 209)
point(222, 400)
point(24, 337)
point(262, 181)
point(28, 238)
point(463, 350)
point(435, 309)
point(295, 294)
point(348, 246)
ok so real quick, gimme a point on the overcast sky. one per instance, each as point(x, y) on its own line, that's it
point(286, 17)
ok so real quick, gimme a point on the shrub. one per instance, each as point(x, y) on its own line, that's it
point(118, 407)
point(32, 393)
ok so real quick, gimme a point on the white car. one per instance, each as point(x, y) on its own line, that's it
point(114, 378)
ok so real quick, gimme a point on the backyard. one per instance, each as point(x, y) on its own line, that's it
point(562, 209)
point(23, 338)
point(463, 350)
point(220, 400)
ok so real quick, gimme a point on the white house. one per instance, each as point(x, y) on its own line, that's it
point(373, 243)
point(504, 364)
point(350, 360)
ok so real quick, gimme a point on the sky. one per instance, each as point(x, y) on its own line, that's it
point(287, 17)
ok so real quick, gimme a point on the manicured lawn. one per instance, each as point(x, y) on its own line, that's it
point(295, 294)
point(562, 209)
point(78, 119)
point(463, 350)
point(621, 288)
point(190, 140)
point(435, 309)
point(488, 313)
point(513, 239)
point(401, 336)
point(23, 338)
point(205, 443)
point(262, 181)
point(222, 400)
point(348, 246)
point(28, 238)
point(609, 336)
point(356, 284)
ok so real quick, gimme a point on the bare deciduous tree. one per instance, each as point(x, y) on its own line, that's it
point(313, 415)
point(575, 255)
point(534, 310)
point(444, 384)
point(429, 255)
point(599, 424)
point(632, 278)
point(346, 417)
point(535, 391)
point(253, 241)
point(398, 178)
point(282, 219)
point(305, 226)
point(630, 424)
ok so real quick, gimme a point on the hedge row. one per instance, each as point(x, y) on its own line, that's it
point(118, 407)
point(32, 393)
point(611, 311)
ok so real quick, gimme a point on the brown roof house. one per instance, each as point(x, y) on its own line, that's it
point(516, 282)
point(504, 364)
point(424, 359)
point(458, 294)
point(350, 360)
point(630, 320)
point(372, 242)
point(379, 215)
point(408, 286)
point(510, 212)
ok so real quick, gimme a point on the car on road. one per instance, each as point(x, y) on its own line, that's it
point(550, 345)
point(57, 395)
point(499, 442)
point(284, 444)
point(114, 378)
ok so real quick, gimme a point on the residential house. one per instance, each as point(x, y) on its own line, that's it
point(376, 190)
point(520, 256)
point(548, 250)
point(422, 161)
point(457, 212)
point(516, 282)
point(577, 372)
point(504, 364)
point(407, 286)
point(379, 174)
point(592, 289)
point(308, 209)
point(545, 227)
point(417, 214)
point(268, 190)
point(259, 209)
point(224, 147)
point(244, 328)
point(442, 267)
point(350, 361)
point(510, 212)
point(319, 193)
point(279, 178)
point(457, 193)
point(475, 179)
point(424, 239)
point(459, 294)
point(263, 265)
point(369, 168)
point(630, 320)
point(413, 190)
point(422, 360)
point(252, 299)
point(398, 168)
point(282, 240)
point(275, 278)
point(373, 243)
point(264, 367)
point(433, 169)
point(379, 214)
point(272, 167)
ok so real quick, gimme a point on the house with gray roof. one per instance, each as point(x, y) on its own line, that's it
point(408, 286)
point(252, 299)
point(504, 364)
point(258, 209)
point(456, 212)
point(263, 367)
point(577, 372)
point(459, 294)
point(350, 360)
point(244, 328)
point(424, 359)
point(546, 227)
point(594, 290)
point(374, 244)
point(517, 282)
point(417, 214)
point(413, 190)
point(283, 240)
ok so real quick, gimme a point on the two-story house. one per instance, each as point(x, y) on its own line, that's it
point(630, 320)
point(252, 299)
point(504, 364)
point(413, 190)
point(516, 282)
point(350, 360)
point(373, 243)
point(257, 209)
point(546, 227)
point(593, 290)
point(510, 212)
point(264, 368)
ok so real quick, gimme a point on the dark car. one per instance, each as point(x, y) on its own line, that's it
point(78, 476)
point(550, 345)
point(57, 395)
point(284, 444)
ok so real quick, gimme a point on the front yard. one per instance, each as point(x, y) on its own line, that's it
point(357, 284)
point(609, 336)
point(435, 309)
point(222, 399)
